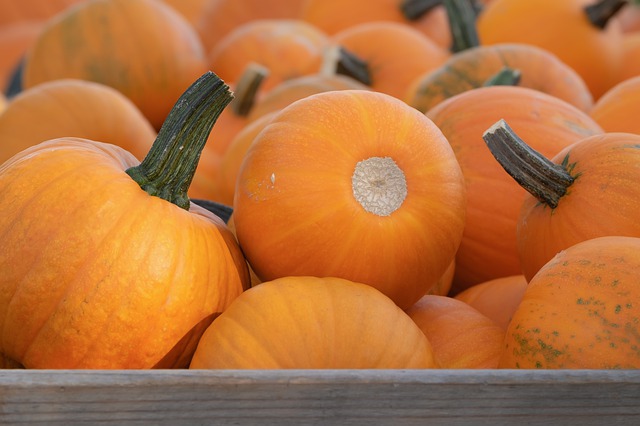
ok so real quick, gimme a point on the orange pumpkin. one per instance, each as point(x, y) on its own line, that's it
point(220, 17)
point(471, 68)
point(76, 108)
point(333, 16)
point(497, 299)
point(461, 337)
point(313, 323)
point(587, 190)
point(15, 40)
point(580, 311)
point(616, 110)
point(142, 48)
point(488, 249)
point(630, 66)
point(106, 264)
point(578, 32)
point(443, 286)
point(353, 184)
point(288, 48)
point(191, 10)
point(12, 12)
point(386, 56)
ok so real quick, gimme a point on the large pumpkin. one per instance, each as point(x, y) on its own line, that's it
point(581, 310)
point(353, 184)
point(96, 272)
point(313, 323)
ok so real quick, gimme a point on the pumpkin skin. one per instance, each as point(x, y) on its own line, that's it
point(603, 200)
point(615, 110)
point(77, 108)
point(12, 11)
point(594, 53)
point(191, 10)
point(497, 299)
point(298, 212)
point(471, 68)
point(98, 273)
point(15, 39)
point(489, 249)
point(630, 66)
point(461, 337)
point(143, 48)
point(580, 311)
point(395, 54)
point(313, 323)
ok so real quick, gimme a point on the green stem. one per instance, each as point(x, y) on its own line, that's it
point(462, 16)
point(416, 9)
point(168, 168)
point(339, 60)
point(542, 178)
point(247, 89)
point(505, 77)
point(601, 12)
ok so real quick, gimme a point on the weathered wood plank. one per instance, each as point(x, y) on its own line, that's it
point(300, 397)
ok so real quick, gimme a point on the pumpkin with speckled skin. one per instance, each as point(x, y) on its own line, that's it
point(580, 311)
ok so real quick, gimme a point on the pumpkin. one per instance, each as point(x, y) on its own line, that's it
point(3, 103)
point(630, 66)
point(461, 337)
point(471, 68)
point(427, 16)
point(616, 110)
point(143, 48)
point(629, 17)
point(15, 39)
point(12, 12)
point(77, 108)
point(220, 17)
point(288, 48)
point(587, 190)
point(580, 33)
point(313, 323)
point(385, 56)
point(443, 286)
point(489, 249)
point(105, 262)
point(580, 311)
point(191, 10)
point(497, 298)
point(353, 184)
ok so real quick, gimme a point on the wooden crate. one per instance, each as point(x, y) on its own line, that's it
point(321, 397)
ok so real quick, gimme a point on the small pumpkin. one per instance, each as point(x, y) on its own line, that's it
point(75, 108)
point(580, 311)
point(143, 48)
point(588, 189)
point(105, 262)
point(313, 323)
point(353, 184)
point(616, 110)
point(461, 337)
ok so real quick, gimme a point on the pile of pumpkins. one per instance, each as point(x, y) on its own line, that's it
point(320, 184)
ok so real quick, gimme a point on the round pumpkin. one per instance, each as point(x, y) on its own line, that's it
point(77, 108)
point(616, 110)
point(143, 48)
point(313, 323)
point(580, 311)
point(461, 337)
point(105, 262)
point(353, 184)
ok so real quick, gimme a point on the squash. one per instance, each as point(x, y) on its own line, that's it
point(489, 248)
point(143, 48)
point(353, 184)
point(443, 286)
point(12, 12)
point(15, 40)
point(461, 337)
point(385, 56)
point(630, 66)
point(313, 323)
point(589, 189)
point(76, 108)
point(581, 33)
point(191, 10)
point(497, 298)
point(471, 68)
point(105, 262)
point(616, 110)
point(580, 311)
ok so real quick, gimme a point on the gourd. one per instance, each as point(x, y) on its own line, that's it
point(105, 262)
point(615, 110)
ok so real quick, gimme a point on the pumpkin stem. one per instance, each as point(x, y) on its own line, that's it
point(462, 16)
point(505, 77)
point(168, 168)
point(247, 89)
point(601, 12)
point(542, 178)
point(416, 9)
point(338, 60)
